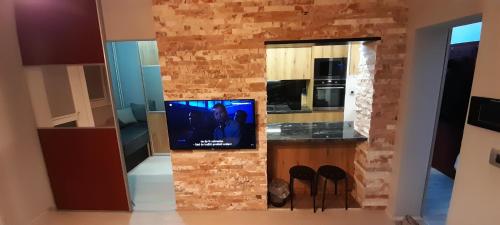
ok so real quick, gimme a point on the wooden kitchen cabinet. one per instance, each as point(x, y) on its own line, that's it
point(288, 63)
point(330, 51)
point(354, 59)
point(58, 32)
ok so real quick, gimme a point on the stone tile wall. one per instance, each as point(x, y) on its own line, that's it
point(215, 49)
point(375, 118)
point(364, 92)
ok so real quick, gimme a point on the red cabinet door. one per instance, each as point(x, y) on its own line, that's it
point(58, 32)
point(84, 168)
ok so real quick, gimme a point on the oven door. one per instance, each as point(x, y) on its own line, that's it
point(329, 97)
point(330, 68)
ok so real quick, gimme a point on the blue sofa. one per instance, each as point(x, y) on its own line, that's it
point(134, 137)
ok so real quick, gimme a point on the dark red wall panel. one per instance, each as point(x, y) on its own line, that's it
point(58, 32)
point(84, 168)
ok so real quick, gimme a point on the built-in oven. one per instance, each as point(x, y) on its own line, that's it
point(328, 94)
point(330, 68)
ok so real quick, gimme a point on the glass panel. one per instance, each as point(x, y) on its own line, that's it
point(58, 90)
point(138, 91)
point(149, 53)
point(61, 96)
point(153, 88)
point(95, 85)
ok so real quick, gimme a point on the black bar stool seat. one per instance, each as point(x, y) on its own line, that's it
point(303, 173)
point(334, 174)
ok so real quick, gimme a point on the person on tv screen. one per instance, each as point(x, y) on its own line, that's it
point(196, 132)
point(227, 130)
point(240, 116)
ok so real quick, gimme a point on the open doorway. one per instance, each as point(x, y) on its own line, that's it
point(459, 72)
point(138, 99)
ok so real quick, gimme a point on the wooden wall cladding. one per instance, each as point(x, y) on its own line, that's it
point(281, 156)
point(158, 132)
point(317, 116)
point(84, 168)
point(58, 32)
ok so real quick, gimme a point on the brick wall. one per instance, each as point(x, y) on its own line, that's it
point(215, 49)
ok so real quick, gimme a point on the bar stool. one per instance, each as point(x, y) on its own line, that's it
point(334, 174)
point(303, 173)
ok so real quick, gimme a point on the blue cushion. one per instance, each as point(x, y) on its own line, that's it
point(126, 116)
point(139, 111)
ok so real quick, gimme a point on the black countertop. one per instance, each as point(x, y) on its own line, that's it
point(321, 131)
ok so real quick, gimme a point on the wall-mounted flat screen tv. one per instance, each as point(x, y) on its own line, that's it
point(211, 124)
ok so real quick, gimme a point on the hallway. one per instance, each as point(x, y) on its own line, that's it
point(437, 198)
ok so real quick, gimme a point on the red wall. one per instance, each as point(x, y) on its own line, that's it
point(84, 168)
point(58, 32)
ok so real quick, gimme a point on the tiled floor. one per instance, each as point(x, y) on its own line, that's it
point(148, 183)
point(297, 217)
point(437, 198)
point(303, 201)
point(151, 185)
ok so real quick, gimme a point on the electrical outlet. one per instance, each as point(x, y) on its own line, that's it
point(495, 157)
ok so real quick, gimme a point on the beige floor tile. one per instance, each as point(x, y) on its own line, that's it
point(270, 217)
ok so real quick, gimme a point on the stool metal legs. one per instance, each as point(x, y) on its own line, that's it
point(313, 193)
point(346, 194)
point(291, 193)
point(324, 194)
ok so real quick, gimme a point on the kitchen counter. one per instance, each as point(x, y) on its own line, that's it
point(322, 131)
point(314, 145)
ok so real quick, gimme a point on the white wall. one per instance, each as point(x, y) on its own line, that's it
point(128, 19)
point(24, 187)
point(351, 83)
point(417, 119)
point(350, 98)
point(474, 199)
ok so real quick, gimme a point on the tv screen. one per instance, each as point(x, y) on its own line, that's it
point(211, 124)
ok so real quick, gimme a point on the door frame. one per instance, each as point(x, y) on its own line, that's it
point(443, 80)
point(420, 105)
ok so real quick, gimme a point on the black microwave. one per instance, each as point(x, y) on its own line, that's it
point(485, 113)
point(330, 68)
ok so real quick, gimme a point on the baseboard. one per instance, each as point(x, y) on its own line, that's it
point(161, 154)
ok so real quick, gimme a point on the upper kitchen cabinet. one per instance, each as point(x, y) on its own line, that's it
point(330, 51)
point(354, 58)
point(58, 32)
point(288, 63)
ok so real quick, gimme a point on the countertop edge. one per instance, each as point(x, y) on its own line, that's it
point(289, 112)
point(319, 140)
